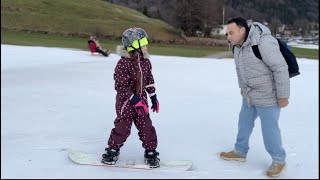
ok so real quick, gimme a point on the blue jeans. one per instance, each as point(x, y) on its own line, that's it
point(269, 117)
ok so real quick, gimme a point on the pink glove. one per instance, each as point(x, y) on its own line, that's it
point(155, 103)
point(140, 106)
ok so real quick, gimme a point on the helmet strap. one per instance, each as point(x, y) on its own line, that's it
point(139, 50)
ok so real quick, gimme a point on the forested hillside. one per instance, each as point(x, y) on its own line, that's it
point(204, 14)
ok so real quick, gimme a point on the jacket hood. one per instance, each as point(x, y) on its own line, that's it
point(120, 50)
point(257, 30)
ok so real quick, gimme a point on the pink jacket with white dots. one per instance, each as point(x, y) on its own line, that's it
point(125, 77)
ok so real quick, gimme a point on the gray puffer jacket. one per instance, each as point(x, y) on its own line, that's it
point(262, 82)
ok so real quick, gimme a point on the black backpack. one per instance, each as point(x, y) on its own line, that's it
point(290, 58)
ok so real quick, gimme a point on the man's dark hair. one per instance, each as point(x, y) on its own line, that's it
point(240, 22)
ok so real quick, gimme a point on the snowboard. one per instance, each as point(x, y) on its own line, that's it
point(94, 159)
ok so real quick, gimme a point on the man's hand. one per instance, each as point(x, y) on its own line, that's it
point(283, 102)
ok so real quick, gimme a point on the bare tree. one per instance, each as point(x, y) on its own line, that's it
point(193, 15)
point(189, 16)
point(213, 15)
point(274, 24)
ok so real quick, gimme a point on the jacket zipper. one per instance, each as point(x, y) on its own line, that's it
point(141, 78)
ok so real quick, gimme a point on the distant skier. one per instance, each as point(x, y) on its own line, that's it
point(95, 46)
point(133, 80)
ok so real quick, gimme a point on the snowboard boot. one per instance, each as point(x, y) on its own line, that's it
point(151, 158)
point(110, 157)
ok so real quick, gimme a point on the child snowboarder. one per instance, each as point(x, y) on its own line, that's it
point(133, 80)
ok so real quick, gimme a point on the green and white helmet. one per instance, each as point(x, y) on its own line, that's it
point(134, 38)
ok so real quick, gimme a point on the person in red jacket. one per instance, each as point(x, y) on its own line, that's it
point(95, 46)
point(133, 80)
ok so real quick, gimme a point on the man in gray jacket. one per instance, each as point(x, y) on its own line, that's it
point(265, 88)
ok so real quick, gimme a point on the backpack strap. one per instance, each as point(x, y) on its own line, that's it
point(256, 51)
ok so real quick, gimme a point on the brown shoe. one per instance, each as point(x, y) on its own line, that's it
point(275, 169)
point(232, 155)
